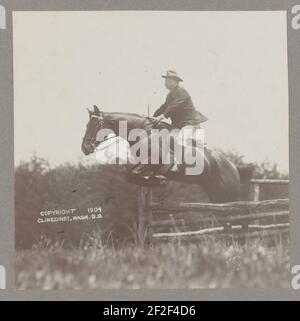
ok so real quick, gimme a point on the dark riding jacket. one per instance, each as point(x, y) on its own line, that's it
point(180, 108)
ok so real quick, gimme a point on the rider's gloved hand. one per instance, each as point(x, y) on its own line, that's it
point(160, 118)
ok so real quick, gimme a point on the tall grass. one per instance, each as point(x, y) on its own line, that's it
point(176, 265)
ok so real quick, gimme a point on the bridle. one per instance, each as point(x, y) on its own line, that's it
point(100, 123)
point(100, 118)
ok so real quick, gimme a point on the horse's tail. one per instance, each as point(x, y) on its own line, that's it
point(246, 172)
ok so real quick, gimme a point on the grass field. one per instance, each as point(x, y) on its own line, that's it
point(209, 264)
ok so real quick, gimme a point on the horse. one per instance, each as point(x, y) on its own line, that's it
point(220, 178)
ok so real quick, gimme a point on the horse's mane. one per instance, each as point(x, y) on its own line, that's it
point(128, 114)
point(124, 114)
point(162, 124)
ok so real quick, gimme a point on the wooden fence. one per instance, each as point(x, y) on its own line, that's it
point(252, 217)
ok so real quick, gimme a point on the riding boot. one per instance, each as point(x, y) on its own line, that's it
point(174, 168)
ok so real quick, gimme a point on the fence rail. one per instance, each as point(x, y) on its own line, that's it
point(222, 209)
point(193, 220)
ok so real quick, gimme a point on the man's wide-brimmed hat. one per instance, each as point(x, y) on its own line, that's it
point(172, 74)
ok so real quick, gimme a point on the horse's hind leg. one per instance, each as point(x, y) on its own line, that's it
point(220, 193)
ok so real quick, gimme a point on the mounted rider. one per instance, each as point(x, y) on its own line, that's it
point(182, 112)
point(178, 105)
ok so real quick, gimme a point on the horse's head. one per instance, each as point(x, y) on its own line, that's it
point(96, 122)
point(110, 125)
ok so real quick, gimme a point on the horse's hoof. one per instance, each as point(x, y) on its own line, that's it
point(150, 181)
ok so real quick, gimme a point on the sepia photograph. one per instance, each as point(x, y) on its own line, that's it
point(151, 149)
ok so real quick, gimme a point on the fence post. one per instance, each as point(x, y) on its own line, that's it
point(143, 219)
point(149, 213)
point(254, 192)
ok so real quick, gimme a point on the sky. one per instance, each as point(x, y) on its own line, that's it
point(234, 65)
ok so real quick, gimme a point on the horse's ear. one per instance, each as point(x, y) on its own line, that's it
point(97, 110)
point(89, 111)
